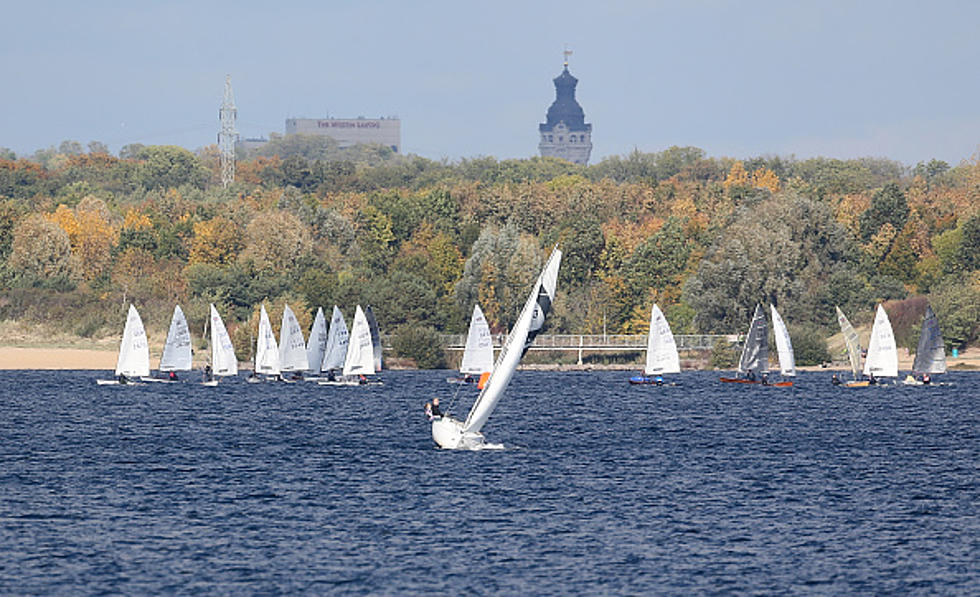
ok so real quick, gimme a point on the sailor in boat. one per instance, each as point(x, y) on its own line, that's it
point(835, 380)
point(331, 376)
point(750, 375)
point(659, 380)
point(765, 379)
point(926, 379)
point(123, 379)
point(208, 373)
point(872, 379)
point(172, 376)
point(362, 379)
point(468, 378)
point(436, 411)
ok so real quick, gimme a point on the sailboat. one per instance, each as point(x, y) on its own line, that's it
point(266, 351)
point(451, 433)
point(176, 350)
point(316, 344)
point(784, 346)
point(882, 359)
point(853, 344)
point(292, 346)
point(335, 351)
point(478, 353)
point(753, 366)
point(930, 355)
point(134, 352)
point(223, 359)
point(662, 354)
point(359, 361)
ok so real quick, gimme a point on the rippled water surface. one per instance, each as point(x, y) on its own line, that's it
point(602, 488)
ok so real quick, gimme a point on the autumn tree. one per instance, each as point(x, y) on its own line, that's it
point(40, 251)
point(275, 240)
point(217, 241)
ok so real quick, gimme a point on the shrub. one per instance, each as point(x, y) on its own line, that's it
point(420, 344)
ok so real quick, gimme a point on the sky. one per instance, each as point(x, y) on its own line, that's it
point(839, 79)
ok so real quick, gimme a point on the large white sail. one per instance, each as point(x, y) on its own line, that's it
point(292, 346)
point(852, 341)
point(529, 324)
point(266, 350)
point(316, 345)
point(337, 340)
point(360, 350)
point(882, 359)
point(177, 349)
point(223, 359)
point(478, 353)
point(930, 356)
point(134, 352)
point(755, 353)
point(784, 346)
point(662, 354)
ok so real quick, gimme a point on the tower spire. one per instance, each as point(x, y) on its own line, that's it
point(566, 53)
point(228, 135)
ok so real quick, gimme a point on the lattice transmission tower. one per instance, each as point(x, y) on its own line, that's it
point(228, 136)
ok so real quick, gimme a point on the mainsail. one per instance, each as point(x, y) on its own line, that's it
point(529, 324)
point(336, 349)
point(223, 358)
point(852, 341)
point(177, 349)
point(784, 346)
point(292, 346)
point(882, 357)
point(662, 354)
point(478, 353)
point(930, 356)
point(266, 349)
point(755, 353)
point(360, 350)
point(134, 353)
point(316, 346)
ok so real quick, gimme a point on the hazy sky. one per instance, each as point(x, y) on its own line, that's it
point(843, 79)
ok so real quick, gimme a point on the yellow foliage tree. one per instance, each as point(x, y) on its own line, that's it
point(217, 241)
point(766, 179)
point(737, 176)
point(91, 234)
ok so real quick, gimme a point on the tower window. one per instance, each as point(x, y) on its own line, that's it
point(551, 138)
point(582, 138)
point(560, 138)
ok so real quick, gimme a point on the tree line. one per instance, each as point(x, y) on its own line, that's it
point(83, 232)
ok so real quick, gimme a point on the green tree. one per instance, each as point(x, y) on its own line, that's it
point(888, 205)
point(40, 252)
point(169, 166)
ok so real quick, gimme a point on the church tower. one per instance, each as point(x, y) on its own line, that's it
point(566, 135)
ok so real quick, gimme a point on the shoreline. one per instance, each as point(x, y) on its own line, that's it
point(45, 358)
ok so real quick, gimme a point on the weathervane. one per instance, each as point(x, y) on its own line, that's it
point(567, 53)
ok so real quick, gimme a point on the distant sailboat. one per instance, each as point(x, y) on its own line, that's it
point(882, 359)
point(930, 355)
point(316, 344)
point(176, 350)
point(134, 352)
point(359, 362)
point(292, 346)
point(335, 351)
point(266, 350)
point(662, 354)
point(478, 352)
point(753, 366)
point(853, 344)
point(451, 433)
point(224, 363)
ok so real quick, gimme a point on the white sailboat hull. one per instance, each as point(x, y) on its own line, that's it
point(448, 434)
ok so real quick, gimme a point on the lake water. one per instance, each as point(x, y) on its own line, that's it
point(602, 488)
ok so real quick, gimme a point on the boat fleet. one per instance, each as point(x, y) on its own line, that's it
point(356, 354)
point(331, 356)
